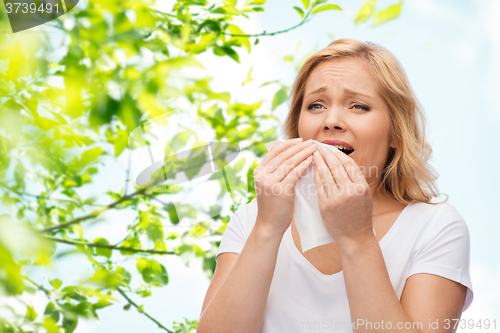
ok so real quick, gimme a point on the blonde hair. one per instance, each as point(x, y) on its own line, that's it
point(406, 174)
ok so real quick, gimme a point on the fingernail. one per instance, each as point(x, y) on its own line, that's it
point(297, 139)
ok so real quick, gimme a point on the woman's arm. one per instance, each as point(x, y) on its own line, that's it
point(373, 303)
point(346, 207)
point(239, 304)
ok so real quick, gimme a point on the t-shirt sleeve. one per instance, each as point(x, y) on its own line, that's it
point(447, 252)
point(236, 233)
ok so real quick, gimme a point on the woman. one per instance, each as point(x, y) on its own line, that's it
point(411, 275)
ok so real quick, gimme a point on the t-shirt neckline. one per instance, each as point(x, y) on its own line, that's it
point(296, 253)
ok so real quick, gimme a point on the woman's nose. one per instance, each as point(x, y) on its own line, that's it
point(334, 120)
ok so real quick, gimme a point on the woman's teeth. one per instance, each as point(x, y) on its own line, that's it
point(344, 149)
point(341, 147)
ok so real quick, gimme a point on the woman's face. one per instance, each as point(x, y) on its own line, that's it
point(341, 103)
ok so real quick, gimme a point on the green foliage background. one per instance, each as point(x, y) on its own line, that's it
point(66, 111)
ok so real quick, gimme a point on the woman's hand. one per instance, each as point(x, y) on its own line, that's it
point(275, 178)
point(344, 197)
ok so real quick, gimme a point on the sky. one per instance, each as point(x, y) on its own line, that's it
point(449, 50)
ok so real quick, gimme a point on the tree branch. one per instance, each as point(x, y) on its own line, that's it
point(142, 311)
point(264, 33)
point(96, 212)
point(128, 197)
point(106, 246)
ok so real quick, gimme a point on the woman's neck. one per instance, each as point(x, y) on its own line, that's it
point(384, 201)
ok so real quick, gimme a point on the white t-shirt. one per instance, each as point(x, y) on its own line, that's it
point(424, 239)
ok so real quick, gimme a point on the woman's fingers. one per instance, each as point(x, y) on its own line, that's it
point(278, 149)
point(300, 154)
point(334, 162)
point(352, 169)
point(292, 178)
point(319, 184)
point(324, 173)
point(283, 163)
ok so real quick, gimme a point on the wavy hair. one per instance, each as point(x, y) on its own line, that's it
point(406, 174)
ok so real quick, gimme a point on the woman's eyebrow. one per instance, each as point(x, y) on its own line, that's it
point(347, 91)
point(317, 91)
point(352, 92)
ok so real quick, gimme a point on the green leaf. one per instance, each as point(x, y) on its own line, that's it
point(253, 9)
point(20, 175)
point(226, 10)
point(69, 324)
point(78, 228)
point(210, 24)
point(190, 254)
point(226, 50)
point(299, 10)
point(231, 3)
point(326, 7)
point(102, 251)
point(50, 325)
point(125, 275)
point(56, 283)
point(89, 292)
point(199, 229)
point(30, 314)
point(279, 98)
point(132, 242)
point(152, 272)
point(155, 231)
point(172, 212)
point(387, 14)
point(255, 2)
point(52, 312)
point(144, 292)
point(305, 3)
point(101, 303)
point(365, 12)
point(177, 142)
point(318, 2)
point(121, 142)
point(250, 179)
point(235, 30)
point(90, 155)
point(249, 77)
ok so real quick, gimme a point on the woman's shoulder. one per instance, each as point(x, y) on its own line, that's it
point(247, 214)
point(248, 207)
point(436, 210)
point(438, 216)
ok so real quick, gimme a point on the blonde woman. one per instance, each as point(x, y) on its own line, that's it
point(411, 275)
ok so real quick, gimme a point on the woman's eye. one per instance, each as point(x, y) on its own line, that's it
point(311, 106)
point(362, 107)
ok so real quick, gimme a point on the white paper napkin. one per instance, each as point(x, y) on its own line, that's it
point(306, 212)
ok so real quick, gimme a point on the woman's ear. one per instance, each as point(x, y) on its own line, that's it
point(393, 144)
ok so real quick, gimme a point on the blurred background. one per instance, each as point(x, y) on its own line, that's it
point(449, 49)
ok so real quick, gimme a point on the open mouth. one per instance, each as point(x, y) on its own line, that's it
point(346, 151)
point(340, 145)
